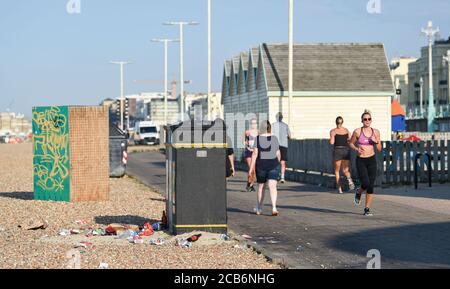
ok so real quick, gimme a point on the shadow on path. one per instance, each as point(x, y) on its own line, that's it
point(419, 244)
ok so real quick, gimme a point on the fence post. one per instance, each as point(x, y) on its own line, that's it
point(387, 156)
point(442, 155)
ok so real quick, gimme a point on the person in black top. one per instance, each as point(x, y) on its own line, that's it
point(339, 138)
point(266, 162)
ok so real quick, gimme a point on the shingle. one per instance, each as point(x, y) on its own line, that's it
point(328, 67)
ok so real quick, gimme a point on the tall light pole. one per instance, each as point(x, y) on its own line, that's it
point(121, 63)
point(430, 32)
point(421, 97)
point(166, 44)
point(446, 58)
point(181, 25)
point(209, 61)
point(291, 60)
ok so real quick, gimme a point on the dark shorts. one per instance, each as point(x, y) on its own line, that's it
point(262, 176)
point(341, 154)
point(284, 153)
point(247, 154)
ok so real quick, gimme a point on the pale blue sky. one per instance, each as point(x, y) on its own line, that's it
point(50, 57)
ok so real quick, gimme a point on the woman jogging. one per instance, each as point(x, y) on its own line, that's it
point(364, 141)
point(339, 138)
point(266, 162)
point(249, 142)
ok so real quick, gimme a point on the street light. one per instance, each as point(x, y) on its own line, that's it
point(165, 41)
point(421, 97)
point(430, 32)
point(291, 60)
point(446, 58)
point(121, 63)
point(209, 61)
point(181, 24)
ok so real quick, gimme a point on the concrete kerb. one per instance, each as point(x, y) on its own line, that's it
point(260, 250)
point(136, 179)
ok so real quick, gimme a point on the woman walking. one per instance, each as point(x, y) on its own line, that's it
point(249, 143)
point(339, 138)
point(365, 141)
point(266, 162)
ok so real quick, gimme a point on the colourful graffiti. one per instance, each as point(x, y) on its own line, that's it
point(51, 153)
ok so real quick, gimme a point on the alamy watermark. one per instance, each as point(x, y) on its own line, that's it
point(375, 259)
point(73, 7)
point(374, 7)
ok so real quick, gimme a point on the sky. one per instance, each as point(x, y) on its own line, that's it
point(51, 57)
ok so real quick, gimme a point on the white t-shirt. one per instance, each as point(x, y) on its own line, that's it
point(281, 131)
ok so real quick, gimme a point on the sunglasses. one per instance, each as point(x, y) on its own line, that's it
point(367, 119)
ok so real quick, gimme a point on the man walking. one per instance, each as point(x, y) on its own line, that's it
point(283, 133)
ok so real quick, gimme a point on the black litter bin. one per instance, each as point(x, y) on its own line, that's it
point(196, 182)
point(118, 152)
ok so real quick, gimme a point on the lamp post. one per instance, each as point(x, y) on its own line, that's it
point(430, 32)
point(181, 25)
point(421, 97)
point(291, 60)
point(121, 63)
point(166, 42)
point(209, 62)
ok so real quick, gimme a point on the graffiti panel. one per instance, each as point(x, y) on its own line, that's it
point(51, 161)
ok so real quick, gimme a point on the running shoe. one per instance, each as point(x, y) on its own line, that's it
point(367, 212)
point(351, 185)
point(357, 197)
point(340, 191)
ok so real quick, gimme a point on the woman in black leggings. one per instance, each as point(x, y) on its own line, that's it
point(364, 141)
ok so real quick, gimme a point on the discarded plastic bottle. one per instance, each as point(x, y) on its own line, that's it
point(194, 238)
point(127, 234)
point(156, 226)
point(185, 244)
point(225, 237)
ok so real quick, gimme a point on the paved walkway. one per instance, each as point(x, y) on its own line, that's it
point(318, 228)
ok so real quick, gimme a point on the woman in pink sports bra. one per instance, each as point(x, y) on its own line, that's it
point(365, 141)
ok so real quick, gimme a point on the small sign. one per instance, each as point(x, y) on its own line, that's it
point(202, 154)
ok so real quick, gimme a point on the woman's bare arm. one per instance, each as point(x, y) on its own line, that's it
point(378, 140)
point(353, 141)
point(332, 136)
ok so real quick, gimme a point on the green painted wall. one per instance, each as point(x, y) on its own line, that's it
point(51, 158)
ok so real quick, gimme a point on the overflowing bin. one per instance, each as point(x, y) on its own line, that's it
point(196, 177)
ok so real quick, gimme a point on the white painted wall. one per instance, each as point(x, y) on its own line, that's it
point(314, 117)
